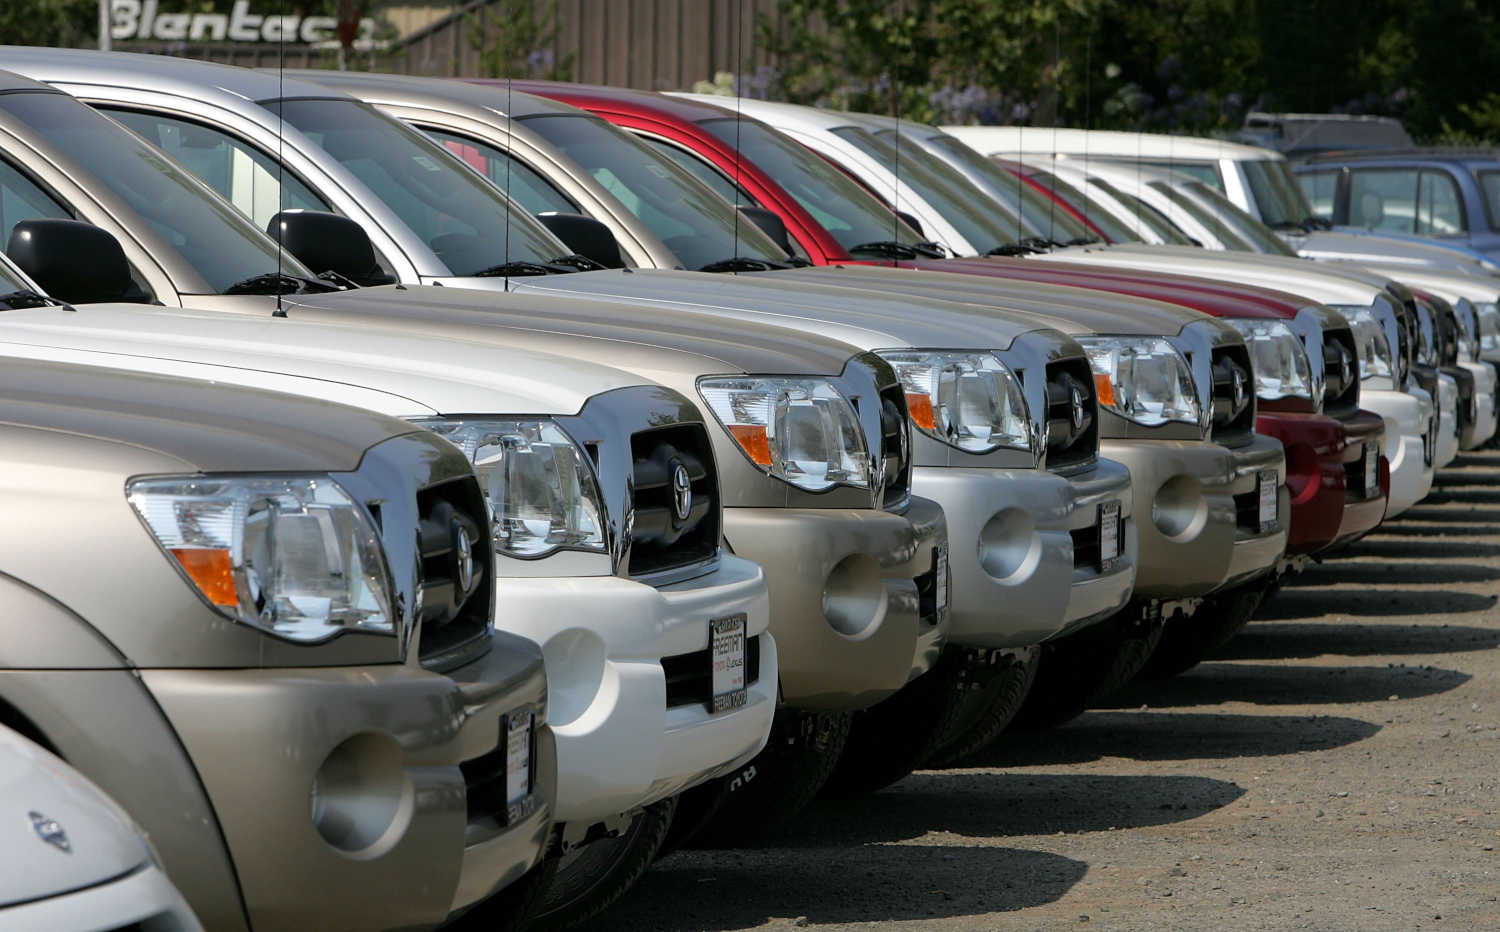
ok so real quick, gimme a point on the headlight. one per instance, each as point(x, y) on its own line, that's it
point(294, 556)
point(1489, 325)
point(1375, 357)
point(1280, 362)
point(1143, 379)
point(803, 431)
point(970, 401)
point(538, 483)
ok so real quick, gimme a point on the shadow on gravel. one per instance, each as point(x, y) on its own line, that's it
point(1419, 549)
point(830, 883)
point(1166, 736)
point(1281, 684)
point(1411, 529)
point(1274, 640)
point(1374, 603)
point(1478, 496)
point(1489, 516)
point(1375, 574)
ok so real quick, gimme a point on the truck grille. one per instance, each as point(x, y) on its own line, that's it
point(1247, 511)
point(1340, 373)
point(454, 590)
point(690, 676)
point(1406, 337)
point(673, 526)
point(1087, 546)
point(1233, 396)
point(1072, 429)
point(894, 461)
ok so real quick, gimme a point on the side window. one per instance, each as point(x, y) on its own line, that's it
point(22, 199)
point(704, 172)
point(1438, 209)
point(1383, 199)
point(242, 175)
point(1320, 188)
point(527, 186)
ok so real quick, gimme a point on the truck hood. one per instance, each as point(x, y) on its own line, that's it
point(863, 318)
point(398, 374)
point(101, 841)
point(1382, 250)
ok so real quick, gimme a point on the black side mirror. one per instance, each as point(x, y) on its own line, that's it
point(585, 236)
point(911, 221)
point(327, 242)
point(72, 261)
point(771, 225)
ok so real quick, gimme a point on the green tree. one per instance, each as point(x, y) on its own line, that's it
point(50, 22)
point(515, 38)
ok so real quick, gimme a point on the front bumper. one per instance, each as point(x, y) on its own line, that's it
point(367, 818)
point(1484, 421)
point(853, 607)
point(626, 736)
point(1192, 540)
point(1011, 535)
point(1408, 419)
point(142, 899)
point(1325, 476)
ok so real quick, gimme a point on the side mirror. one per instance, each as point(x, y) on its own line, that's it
point(770, 224)
point(585, 236)
point(911, 221)
point(72, 261)
point(327, 242)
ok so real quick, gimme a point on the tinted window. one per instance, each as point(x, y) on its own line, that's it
point(21, 199)
point(1276, 194)
point(1039, 213)
point(1062, 226)
point(699, 227)
point(1489, 183)
point(220, 244)
point(847, 211)
point(1144, 214)
point(242, 175)
point(1206, 172)
point(462, 218)
point(524, 184)
point(709, 175)
point(1320, 189)
point(1383, 199)
point(1217, 228)
point(1438, 210)
point(1254, 232)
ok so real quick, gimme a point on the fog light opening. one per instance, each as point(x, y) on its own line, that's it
point(1179, 509)
point(574, 660)
point(1009, 545)
point(362, 798)
point(854, 596)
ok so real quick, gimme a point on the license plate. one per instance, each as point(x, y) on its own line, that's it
point(1268, 486)
point(518, 756)
point(727, 655)
point(1372, 463)
point(1109, 535)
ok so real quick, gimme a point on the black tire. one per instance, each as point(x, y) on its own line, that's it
point(990, 709)
point(900, 733)
point(1185, 642)
point(769, 789)
point(513, 907)
point(1079, 670)
point(591, 878)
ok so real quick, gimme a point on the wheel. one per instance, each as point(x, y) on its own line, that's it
point(769, 789)
point(513, 907)
point(1187, 641)
point(592, 877)
point(900, 733)
point(1078, 670)
point(991, 708)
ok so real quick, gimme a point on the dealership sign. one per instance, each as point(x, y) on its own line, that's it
point(143, 19)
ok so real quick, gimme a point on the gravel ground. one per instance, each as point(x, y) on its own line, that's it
point(1337, 767)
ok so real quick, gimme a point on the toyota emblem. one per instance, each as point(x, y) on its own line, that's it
point(49, 831)
point(1237, 380)
point(463, 558)
point(1346, 375)
point(1075, 394)
point(682, 493)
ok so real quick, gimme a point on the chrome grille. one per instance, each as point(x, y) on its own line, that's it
point(1340, 373)
point(690, 676)
point(453, 586)
point(675, 523)
point(894, 458)
point(1072, 422)
point(1233, 397)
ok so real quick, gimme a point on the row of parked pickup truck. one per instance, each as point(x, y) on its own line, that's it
point(432, 501)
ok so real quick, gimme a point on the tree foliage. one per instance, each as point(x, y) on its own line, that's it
point(49, 22)
point(515, 38)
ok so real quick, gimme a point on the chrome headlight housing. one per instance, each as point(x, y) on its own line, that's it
point(970, 401)
point(1468, 330)
point(801, 431)
point(1144, 379)
point(1489, 325)
point(1282, 369)
point(293, 556)
point(539, 484)
point(1377, 363)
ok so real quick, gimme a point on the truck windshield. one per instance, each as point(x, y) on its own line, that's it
point(1218, 229)
point(1143, 214)
point(1251, 230)
point(690, 219)
point(851, 214)
point(213, 238)
point(466, 221)
point(1277, 194)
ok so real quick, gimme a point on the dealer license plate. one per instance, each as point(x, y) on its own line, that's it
point(727, 655)
point(518, 756)
point(1268, 485)
point(1109, 535)
point(1372, 466)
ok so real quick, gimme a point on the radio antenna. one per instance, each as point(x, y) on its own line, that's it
point(280, 118)
point(510, 114)
point(739, 41)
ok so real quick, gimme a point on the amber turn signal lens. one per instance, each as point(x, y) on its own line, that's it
point(754, 441)
point(919, 407)
point(1105, 389)
point(211, 572)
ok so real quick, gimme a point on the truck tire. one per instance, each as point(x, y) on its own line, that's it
point(900, 733)
point(591, 878)
point(513, 908)
point(1187, 641)
point(990, 709)
point(1078, 670)
point(766, 791)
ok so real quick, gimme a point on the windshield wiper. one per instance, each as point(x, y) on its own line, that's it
point(743, 264)
point(1089, 240)
point(519, 269)
point(576, 263)
point(1027, 246)
point(1317, 223)
point(25, 297)
point(894, 249)
point(274, 283)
